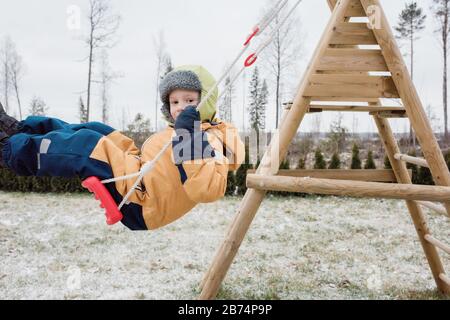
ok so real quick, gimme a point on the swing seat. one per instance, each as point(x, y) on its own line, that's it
point(112, 213)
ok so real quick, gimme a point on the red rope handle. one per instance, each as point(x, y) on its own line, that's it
point(251, 59)
point(250, 37)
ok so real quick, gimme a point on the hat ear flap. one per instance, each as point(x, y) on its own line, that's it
point(165, 110)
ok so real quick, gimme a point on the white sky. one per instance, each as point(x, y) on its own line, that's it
point(203, 32)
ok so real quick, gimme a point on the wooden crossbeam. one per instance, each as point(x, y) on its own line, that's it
point(376, 175)
point(390, 114)
point(354, 9)
point(353, 34)
point(437, 243)
point(375, 110)
point(435, 207)
point(343, 99)
point(445, 278)
point(337, 59)
point(356, 86)
point(414, 160)
point(357, 189)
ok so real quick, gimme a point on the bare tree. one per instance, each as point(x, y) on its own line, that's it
point(17, 70)
point(167, 67)
point(316, 123)
point(441, 10)
point(37, 107)
point(226, 103)
point(283, 52)
point(6, 53)
point(107, 77)
point(103, 25)
point(354, 125)
point(163, 66)
point(337, 135)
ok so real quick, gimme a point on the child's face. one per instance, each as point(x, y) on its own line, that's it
point(180, 99)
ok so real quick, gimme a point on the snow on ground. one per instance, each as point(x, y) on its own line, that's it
point(58, 247)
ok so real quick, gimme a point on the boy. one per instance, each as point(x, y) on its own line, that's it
point(193, 171)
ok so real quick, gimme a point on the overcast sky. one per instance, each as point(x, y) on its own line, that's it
point(203, 32)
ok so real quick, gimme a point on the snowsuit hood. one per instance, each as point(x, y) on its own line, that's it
point(209, 109)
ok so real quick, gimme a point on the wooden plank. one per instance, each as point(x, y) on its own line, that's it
point(343, 99)
point(355, 9)
point(349, 79)
point(390, 114)
point(353, 34)
point(324, 85)
point(355, 90)
point(337, 59)
point(376, 175)
point(348, 188)
point(375, 110)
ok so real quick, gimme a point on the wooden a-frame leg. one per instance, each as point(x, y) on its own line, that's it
point(409, 95)
point(253, 198)
point(418, 217)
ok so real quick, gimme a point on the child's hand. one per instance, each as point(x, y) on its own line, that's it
point(186, 120)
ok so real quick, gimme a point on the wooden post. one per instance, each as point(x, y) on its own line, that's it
point(415, 210)
point(253, 198)
point(408, 94)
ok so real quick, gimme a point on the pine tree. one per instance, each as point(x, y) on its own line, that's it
point(387, 162)
point(257, 107)
point(227, 102)
point(258, 101)
point(370, 163)
point(167, 67)
point(139, 128)
point(82, 111)
point(301, 164)
point(241, 173)
point(425, 177)
point(356, 161)
point(263, 101)
point(335, 162)
point(285, 165)
point(413, 167)
point(410, 23)
point(319, 160)
point(231, 184)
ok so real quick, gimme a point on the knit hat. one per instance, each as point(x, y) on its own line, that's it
point(178, 79)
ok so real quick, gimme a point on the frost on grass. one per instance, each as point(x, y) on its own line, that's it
point(58, 247)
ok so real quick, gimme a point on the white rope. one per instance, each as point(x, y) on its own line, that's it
point(264, 24)
point(147, 167)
